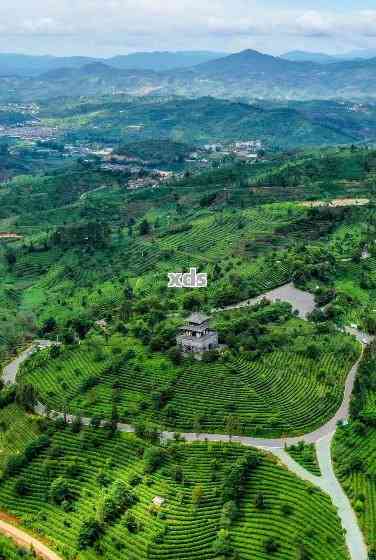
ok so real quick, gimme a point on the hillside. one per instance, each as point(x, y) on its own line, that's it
point(207, 120)
point(90, 270)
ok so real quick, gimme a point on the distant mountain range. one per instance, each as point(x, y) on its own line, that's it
point(28, 66)
point(247, 75)
point(323, 58)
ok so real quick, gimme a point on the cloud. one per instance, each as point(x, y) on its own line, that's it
point(151, 24)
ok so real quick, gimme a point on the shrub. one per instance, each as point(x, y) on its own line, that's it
point(197, 495)
point(236, 476)
point(35, 447)
point(221, 545)
point(271, 545)
point(154, 458)
point(229, 513)
point(89, 533)
point(118, 499)
point(60, 491)
point(14, 464)
point(21, 487)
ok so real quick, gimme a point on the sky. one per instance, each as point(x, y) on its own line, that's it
point(107, 27)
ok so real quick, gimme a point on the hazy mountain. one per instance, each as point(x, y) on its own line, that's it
point(245, 62)
point(305, 56)
point(162, 60)
point(28, 66)
point(359, 53)
point(25, 65)
point(323, 58)
point(246, 75)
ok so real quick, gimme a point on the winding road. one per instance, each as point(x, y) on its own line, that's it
point(321, 438)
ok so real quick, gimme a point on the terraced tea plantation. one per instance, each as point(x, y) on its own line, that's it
point(175, 500)
point(305, 455)
point(288, 391)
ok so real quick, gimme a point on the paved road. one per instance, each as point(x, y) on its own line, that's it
point(10, 371)
point(322, 438)
point(329, 484)
point(24, 540)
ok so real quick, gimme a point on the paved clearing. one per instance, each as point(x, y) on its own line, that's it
point(301, 301)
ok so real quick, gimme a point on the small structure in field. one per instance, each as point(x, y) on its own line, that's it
point(158, 501)
point(9, 236)
point(196, 335)
point(102, 324)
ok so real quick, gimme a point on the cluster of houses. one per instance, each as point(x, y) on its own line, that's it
point(247, 151)
point(152, 180)
point(30, 131)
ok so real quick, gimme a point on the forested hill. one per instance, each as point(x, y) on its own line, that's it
point(207, 119)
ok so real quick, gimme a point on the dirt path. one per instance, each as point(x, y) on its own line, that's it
point(24, 540)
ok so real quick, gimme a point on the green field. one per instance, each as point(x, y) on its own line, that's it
point(71, 480)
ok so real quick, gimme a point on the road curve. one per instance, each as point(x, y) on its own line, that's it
point(322, 438)
point(24, 540)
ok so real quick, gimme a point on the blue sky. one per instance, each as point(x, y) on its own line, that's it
point(107, 27)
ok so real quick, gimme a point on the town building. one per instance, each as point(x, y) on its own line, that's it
point(196, 335)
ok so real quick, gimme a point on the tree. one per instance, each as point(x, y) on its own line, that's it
point(197, 495)
point(271, 545)
point(49, 325)
point(95, 421)
point(60, 491)
point(229, 513)
point(90, 531)
point(21, 487)
point(232, 425)
point(114, 418)
point(221, 545)
point(11, 257)
point(14, 464)
point(144, 227)
point(131, 522)
point(76, 424)
point(153, 457)
point(26, 396)
point(260, 501)
point(197, 425)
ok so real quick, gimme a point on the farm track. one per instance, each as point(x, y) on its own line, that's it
point(321, 438)
point(26, 541)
